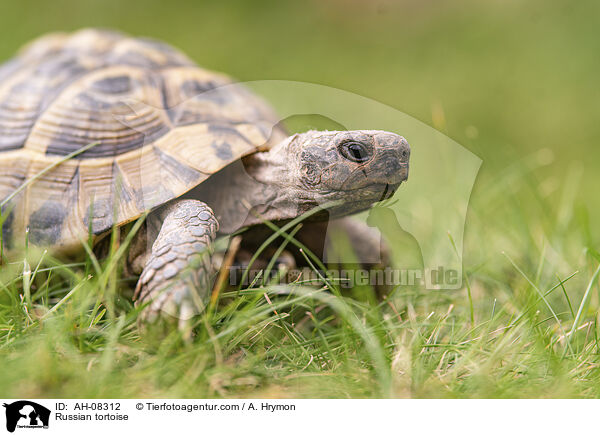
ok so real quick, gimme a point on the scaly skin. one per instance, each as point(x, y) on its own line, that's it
point(177, 276)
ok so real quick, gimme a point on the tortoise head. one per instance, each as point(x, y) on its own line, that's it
point(352, 168)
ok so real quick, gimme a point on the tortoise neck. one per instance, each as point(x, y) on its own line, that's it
point(249, 191)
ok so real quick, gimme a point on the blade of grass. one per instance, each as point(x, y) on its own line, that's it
point(583, 303)
point(543, 297)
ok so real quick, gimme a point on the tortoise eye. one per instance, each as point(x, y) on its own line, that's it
point(355, 152)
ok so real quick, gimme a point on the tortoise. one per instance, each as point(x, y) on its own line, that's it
point(98, 128)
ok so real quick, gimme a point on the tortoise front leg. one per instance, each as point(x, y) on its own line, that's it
point(176, 279)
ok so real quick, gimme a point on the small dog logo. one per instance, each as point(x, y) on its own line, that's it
point(26, 414)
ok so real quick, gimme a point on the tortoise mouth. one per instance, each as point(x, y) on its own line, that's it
point(377, 190)
point(377, 181)
point(389, 191)
point(360, 199)
point(376, 187)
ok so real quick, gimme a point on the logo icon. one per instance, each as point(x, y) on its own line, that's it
point(26, 414)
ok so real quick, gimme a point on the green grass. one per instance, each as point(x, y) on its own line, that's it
point(514, 82)
point(69, 330)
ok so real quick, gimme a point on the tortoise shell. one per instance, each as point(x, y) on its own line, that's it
point(153, 126)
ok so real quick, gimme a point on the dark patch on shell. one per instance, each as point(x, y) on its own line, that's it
point(45, 224)
point(7, 223)
point(65, 144)
point(193, 88)
point(101, 214)
point(181, 171)
point(192, 108)
point(11, 140)
point(113, 85)
point(220, 129)
point(222, 150)
point(120, 186)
